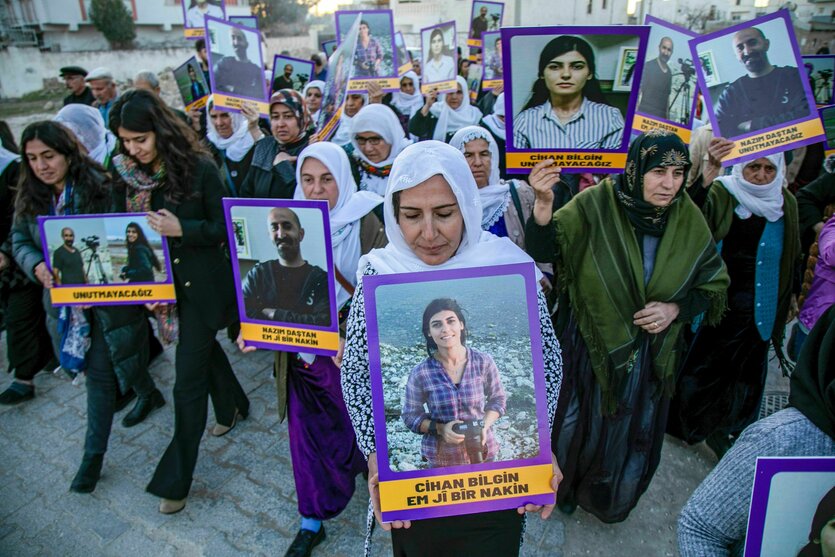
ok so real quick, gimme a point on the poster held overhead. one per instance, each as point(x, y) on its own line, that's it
point(192, 84)
point(580, 120)
point(484, 17)
point(404, 59)
point(290, 73)
point(194, 15)
point(820, 69)
point(755, 87)
point(375, 56)
point(492, 58)
point(340, 68)
point(328, 47)
point(439, 62)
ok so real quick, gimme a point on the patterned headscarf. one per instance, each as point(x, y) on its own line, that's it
point(294, 101)
point(649, 150)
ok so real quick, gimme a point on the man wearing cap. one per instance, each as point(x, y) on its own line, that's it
point(104, 89)
point(79, 92)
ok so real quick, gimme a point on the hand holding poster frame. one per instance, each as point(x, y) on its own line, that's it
point(820, 69)
point(542, 109)
point(375, 56)
point(492, 60)
point(439, 58)
point(763, 103)
point(192, 84)
point(275, 243)
point(111, 259)
point(668, 92)
point(301, 72)
point(423, 475)
point(340, 68)
point(235, 66)
point(195, 12)
point(788, 496)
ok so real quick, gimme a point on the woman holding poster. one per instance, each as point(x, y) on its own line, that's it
point(169, 175)
point(438, 65)
point(567, 109)
point(623, 355)
point(440, 120)
point(433, 221)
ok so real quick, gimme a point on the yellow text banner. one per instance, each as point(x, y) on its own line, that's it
point(385, 83)
point(198, 104)
point(290, 336)
point(440, 86)
point(196, 33)
point(645, 124)
point(225, 101)
point(776, 139)
point(112, 294)
point(608, 161)
point(470, 487)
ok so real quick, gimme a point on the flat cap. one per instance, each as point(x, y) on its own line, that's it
point(99, 73)
point(72, 70)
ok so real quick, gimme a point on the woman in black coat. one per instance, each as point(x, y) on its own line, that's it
point(58, 180)
point(170, 176)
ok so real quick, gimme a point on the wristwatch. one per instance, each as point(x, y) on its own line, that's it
point(433, 428)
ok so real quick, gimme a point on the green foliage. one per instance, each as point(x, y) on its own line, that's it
point(115, 22)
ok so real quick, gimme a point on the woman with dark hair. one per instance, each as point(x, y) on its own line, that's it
point(438, 65)
point(452, 372)
point(59, 180)
point(822, 532)
point(170, 176)
point(272, 174)
point(141, 257)
point(567, 109)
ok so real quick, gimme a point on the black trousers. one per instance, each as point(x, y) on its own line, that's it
point(28, 343)
point(490, 533)
point(202, 370)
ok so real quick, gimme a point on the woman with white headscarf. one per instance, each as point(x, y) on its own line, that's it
point(312, 94)
point(441, 120)
point(432, 196)
point(322, 443)
point(495, 123)
point(407, 100)
point(376, 141)
point(231, 136)
point(86, 123)
point(350, 108)
point(722, 380)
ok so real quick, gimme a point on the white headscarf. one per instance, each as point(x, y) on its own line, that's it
point(6, 158)
point(87, 124)
point(408, 104)
point(763, 201)
point(236, 145)
point(315, 84)
point(343, 133)
point(451, 120)
point(351, 206)
point(495, 196)
point(492, 121)
point(380, 119)
point(416, 164)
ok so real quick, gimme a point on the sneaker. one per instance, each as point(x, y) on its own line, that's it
point(16, 393)
point(79, 379)
point(304, 543)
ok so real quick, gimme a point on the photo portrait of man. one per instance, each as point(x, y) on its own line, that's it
point(368, 55)
point(238, 74)
point(287, 289)
point(284, 81)
point(766, 96)
point(196, 88)
point(657, 82)
point(493, 61)
point(67, 263)
point(479, 24)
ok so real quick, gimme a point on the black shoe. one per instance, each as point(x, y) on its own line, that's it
point(305, 541)
point(16, 393)
point(143, 407)
point(88, 474)
point(123, 400)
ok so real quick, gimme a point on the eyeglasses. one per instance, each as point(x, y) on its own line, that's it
point(374, 141)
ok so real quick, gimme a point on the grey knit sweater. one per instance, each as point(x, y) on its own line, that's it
point(713, 521)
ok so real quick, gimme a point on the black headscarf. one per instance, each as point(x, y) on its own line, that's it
point(649, 150)
point(813, 380)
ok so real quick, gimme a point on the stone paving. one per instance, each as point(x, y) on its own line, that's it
point(243, 500)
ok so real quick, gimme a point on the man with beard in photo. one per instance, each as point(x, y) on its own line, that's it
point(657, 82)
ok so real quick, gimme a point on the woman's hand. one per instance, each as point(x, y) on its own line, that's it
point(165, 223)
point(498, 89)
point(374, 495)
point(243, 347)
point(375, 93)
point(43, 275)
point(337, 360)
point(543, 177)
point(284, 156)
point(449, 436)
point(545, 510)
point(430, 97)
point(717, 149)
point(656, 316)
point(250, 112)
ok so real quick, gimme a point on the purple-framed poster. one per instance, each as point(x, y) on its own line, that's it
point(250, 21)
point(492, 60)
point(667, 94)
point(375, 56)
point(792, 507)
point(494, 454)
point(340, 70)
point(284, 280)
point(552, 76)
point(328, 47)
point(110, 259)
point(192, 84)
point(439, 58)
point(290, 73)
point(755, 87)
point(819, 70)
point(404, 59)
point(827, 116)
point(484, 17)
point(235, 66)
point(195, 12)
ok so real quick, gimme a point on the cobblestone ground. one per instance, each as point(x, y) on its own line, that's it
point(243, 500)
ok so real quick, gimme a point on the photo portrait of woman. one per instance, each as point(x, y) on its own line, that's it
point(459, 386)
point(566, 108)
point(438, 64)
point(822, 531)
point(141, 257)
